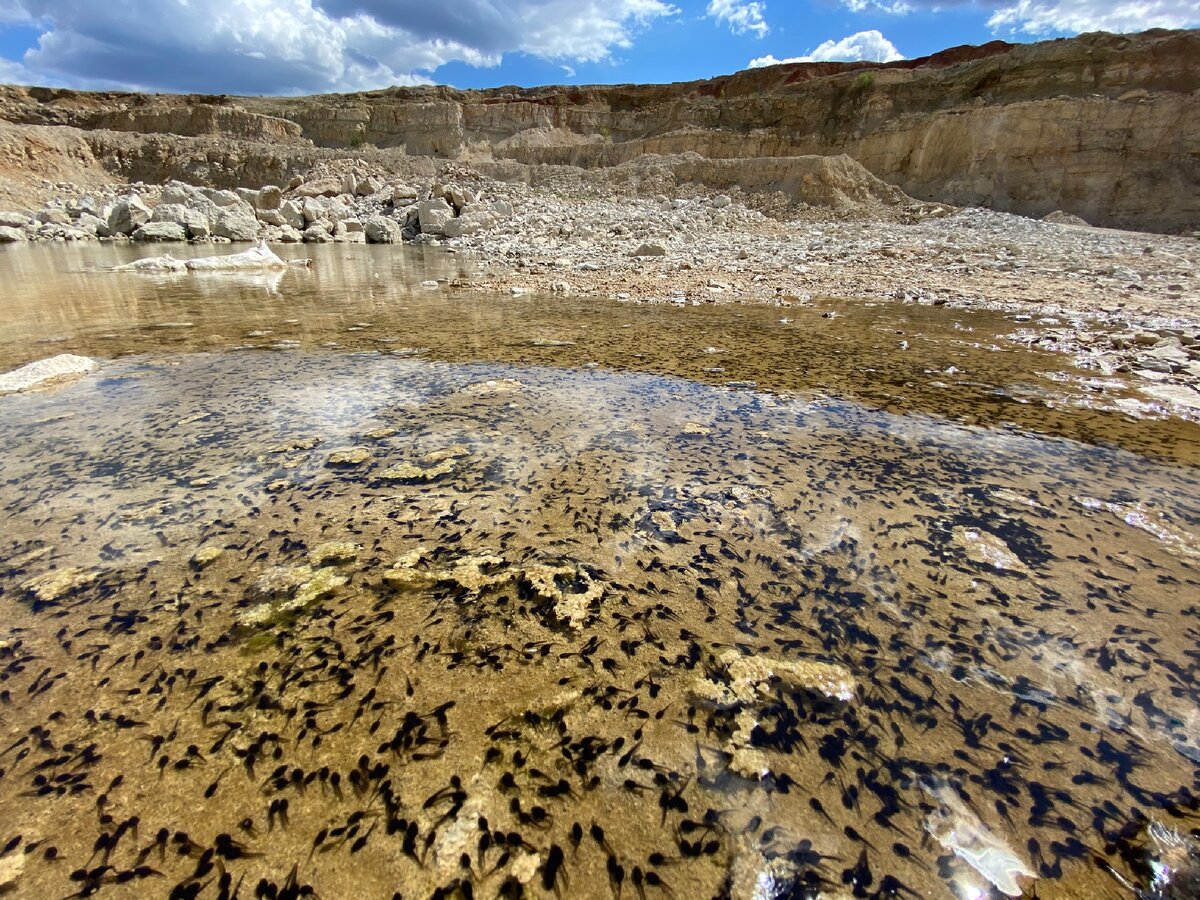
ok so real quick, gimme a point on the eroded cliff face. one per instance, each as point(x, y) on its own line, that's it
point(1106, 127)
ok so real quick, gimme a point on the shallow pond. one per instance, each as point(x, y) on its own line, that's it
point(333, 582)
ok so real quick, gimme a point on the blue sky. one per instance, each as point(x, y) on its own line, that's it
point(310, 46)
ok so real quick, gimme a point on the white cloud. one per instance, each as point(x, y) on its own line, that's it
point(895, 7)
point(743, 16)
point(870, 46)
point(1057, 16)
point(306, 46)
point(1042, 17)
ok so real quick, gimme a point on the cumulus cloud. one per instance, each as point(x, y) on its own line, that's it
point(308, 46)
point(743, 16)
point(870, 46)
point(1057, 16)
point(1041, 17)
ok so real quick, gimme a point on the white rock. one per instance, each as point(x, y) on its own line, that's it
point(153, 232)
point(381, 230)
point(269, 197)
point(10, 235)
point(402, 194)
point(237, 223)
point(433, 215)
point(224, 198)
point(293, 214)
point(128, 213)
point(65, 365)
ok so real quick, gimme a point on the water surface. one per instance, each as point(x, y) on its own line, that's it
point(333, 580)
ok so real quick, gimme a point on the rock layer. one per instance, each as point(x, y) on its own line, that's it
point(1100, 126)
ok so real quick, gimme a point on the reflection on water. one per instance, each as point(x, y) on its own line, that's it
point(896, 358)
point(486, 619)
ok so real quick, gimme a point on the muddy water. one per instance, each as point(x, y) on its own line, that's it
point(336, 583)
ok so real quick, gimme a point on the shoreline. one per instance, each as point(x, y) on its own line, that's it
point(1117, 302)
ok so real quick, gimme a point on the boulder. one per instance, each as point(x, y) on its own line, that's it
point(128, 214)
point(433, 215)
point(14, 220)
point(314, 209)
point(194, 221)
point(352, 226)
point(381, 230)
point(289, 235)
point(403, 194)
point(269, 197)
point(721, 201)
point(271, 217)
point(330, 186)
point(368, 186)
point(53, 217)
point(247, 195)
point(224, 199)
point(1058, 217)
point(236, 223)
point(475, 217)
point(10, 235)
point(650, 250)
point(56, 368)
point(316, 234)
point(94, 225)
point(293, 214)
point(154, 232)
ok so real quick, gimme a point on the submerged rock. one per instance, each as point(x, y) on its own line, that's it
point(961, 832)
point(333, 552)
point(986, 549)
point(55, 369)
point(257, 259)
point(206, 556)
point(351, 456)
point(56, 584)
point(749, 679)
point(286, 592)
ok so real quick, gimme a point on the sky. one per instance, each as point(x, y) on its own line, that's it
point(317, 46)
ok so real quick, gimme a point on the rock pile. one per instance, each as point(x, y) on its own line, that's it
point(344, 209)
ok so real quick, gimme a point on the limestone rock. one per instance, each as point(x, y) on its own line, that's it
point(153, 232)
point(236, 223)
point(1058, 217)
point(319, 187)
point(293, 214)
point(10, 235)
point(269, 197)
point(128, 214)
point(272, 217)
point(433, 215)
point(192, 220)
point(14, 220)
point(94, 225)
point(650, 249)
point(381, 230)
point(56, 368)
point(402, 194)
